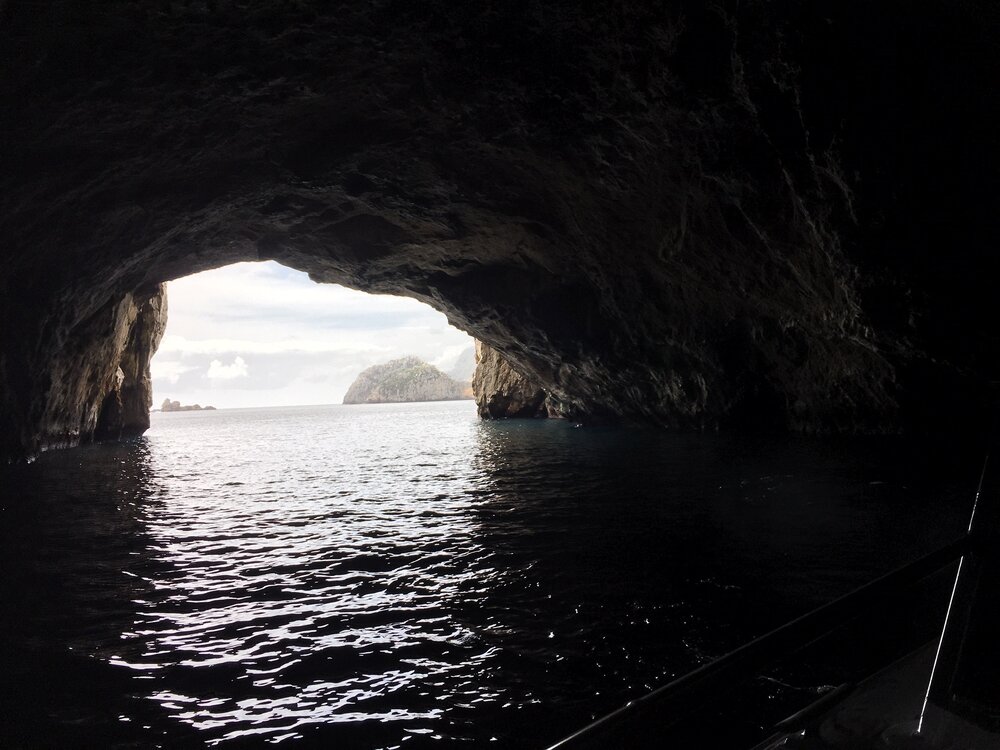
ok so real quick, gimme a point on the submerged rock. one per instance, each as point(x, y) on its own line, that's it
point(401, 380)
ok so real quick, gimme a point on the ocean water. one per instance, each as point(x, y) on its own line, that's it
point(408, 576)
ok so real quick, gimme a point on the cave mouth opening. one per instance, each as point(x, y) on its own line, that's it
point(262, 334)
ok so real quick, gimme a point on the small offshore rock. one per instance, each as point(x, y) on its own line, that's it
point(169, 405)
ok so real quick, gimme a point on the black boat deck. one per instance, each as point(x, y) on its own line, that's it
point(883, 712)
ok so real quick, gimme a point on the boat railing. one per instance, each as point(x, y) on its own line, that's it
point(656, 712)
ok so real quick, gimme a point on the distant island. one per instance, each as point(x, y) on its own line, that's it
point(402, 380)
point(169, 405)
point(465, 366)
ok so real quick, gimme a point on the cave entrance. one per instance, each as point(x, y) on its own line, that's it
point(262, 334)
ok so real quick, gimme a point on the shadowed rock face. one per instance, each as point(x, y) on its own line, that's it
point(501, 391)
point(97, 384)
point(125, 411)
point(758, 213)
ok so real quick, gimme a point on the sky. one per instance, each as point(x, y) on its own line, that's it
point(261, 334)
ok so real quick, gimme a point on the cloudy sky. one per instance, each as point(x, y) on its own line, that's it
point(260, 334)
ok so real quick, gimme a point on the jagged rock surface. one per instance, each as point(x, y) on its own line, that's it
point(136, 393)
point(402, 380)
point(501, 391)
point(738, 213)
point(101, 391)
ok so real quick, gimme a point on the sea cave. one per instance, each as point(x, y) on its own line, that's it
point(735, 218)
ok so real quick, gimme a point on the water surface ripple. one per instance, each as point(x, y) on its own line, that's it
point(407, 576)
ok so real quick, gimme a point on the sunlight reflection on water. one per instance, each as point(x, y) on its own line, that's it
point(407, 576)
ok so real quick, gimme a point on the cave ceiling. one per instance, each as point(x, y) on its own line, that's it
point(758, 214)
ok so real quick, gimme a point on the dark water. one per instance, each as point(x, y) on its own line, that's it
point(407, 576)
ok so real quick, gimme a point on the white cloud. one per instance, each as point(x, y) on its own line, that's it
point(182, 344)
point(219, 371)
point(260, 334)
point(168, 369)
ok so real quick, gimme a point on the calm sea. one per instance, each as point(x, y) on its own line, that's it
point(408, 576)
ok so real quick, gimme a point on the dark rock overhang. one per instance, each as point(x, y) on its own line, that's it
point(758, 213)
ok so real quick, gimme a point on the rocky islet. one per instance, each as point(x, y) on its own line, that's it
point(404, 380)
point(168, 406)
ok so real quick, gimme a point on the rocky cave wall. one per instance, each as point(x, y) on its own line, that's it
point(501, 391)
point(98, 384)
point(753, 213)
point(125, 410)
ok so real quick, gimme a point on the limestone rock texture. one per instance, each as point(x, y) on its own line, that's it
point(105, 390)
point(753, 213)
point(402, 380)
point(501, 391)
point(136, 392)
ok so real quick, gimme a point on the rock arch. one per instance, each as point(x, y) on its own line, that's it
point(753, 212)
